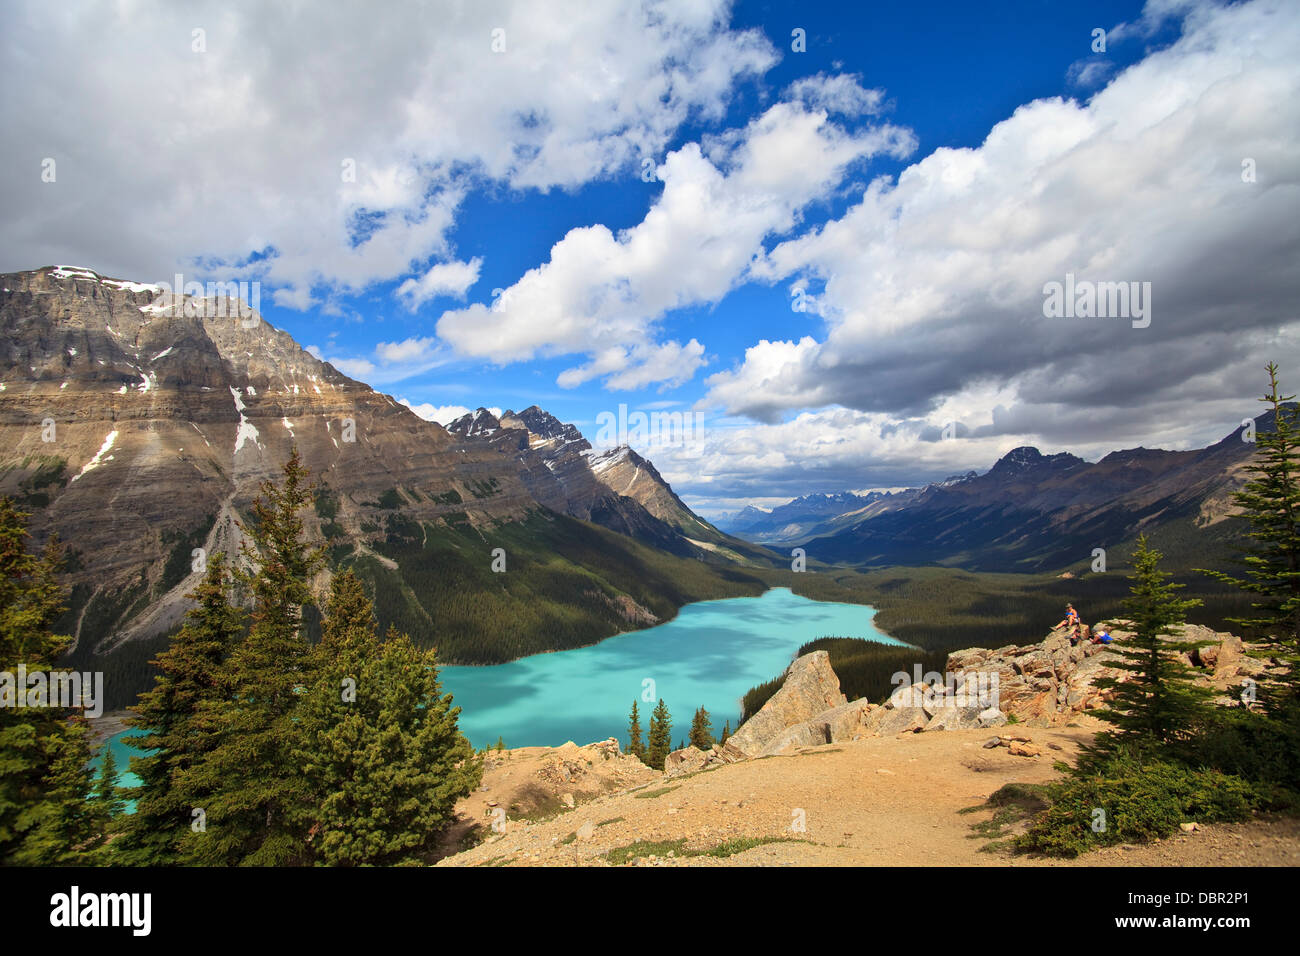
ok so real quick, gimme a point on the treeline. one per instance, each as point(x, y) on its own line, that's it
point(266, 749)
point(565, 584)
point(946, 609)
point(865, 669)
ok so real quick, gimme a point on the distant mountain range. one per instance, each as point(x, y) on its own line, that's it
point(1029, 512)
point(138, 428)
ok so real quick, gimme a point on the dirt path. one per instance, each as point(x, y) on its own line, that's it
point(878, 801)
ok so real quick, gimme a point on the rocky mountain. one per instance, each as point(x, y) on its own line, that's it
point(1036, 512)
point(137, 426)
point(616, 488)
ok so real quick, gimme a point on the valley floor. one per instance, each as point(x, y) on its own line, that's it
point(891, 801)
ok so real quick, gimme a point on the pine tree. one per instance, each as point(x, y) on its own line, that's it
point(726, 732)
point(1271, 502)
point(661, 741)
point(501, 744)
point(64, 827)
point(190, 679)
point(1159, 702)
point(107, 796)
point(635, 745)
point(388, 774)
point(378, 743)
point(45, 781)
point(255, 813)
point(701, 735)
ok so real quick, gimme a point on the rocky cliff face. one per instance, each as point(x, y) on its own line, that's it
point(138, 426)
point(617, 489)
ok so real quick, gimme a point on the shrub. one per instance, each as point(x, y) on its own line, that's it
point(1141, 801)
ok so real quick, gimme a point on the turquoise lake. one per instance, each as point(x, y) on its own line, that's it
point(709, 655)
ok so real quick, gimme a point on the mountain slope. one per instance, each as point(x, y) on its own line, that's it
point(1032, 512)
point(139, 427)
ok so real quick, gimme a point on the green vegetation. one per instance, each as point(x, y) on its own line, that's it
point(260, 736)
point(563, 588)
point(169, 718)
point(701, 736)
point(1271, 501)
point(180, 561)
point(658, 792)
point(390, 500)
point(1129, 799)
point(678, 848)
point(47, 816)
point(1159, 701)
point(661, 739)
point(635, 745)
point(945, 609)
point(50, 471)
point(482, 488)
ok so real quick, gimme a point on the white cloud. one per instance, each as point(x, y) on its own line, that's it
point(601, 295)
point(445, 278)
point(837, 93)
point(442, 414)
point(252, 143)
point(934, 283)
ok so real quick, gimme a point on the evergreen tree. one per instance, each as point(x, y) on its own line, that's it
point(378, 743)
point(190, 678)
point(726, 732)
point(109, 804)
point(501, 744)
point(64, 827)
point(255, 812)
point(386, 774)
point(1271, 502)
point(635, 745)
point(701, 730)
point(661, 741)
point(1159, 702)
point(45, 780)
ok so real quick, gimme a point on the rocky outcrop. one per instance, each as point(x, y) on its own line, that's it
point(1039, 685)
point(810, 689)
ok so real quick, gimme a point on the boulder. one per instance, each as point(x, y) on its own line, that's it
point(810, 689)
point(899, 720)
point(950, 716)
point(811, 733)
point(686, 760)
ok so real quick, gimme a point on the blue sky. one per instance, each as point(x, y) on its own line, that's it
point(916, 174)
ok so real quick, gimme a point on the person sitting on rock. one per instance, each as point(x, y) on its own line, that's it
point(1072, 621)
point(1101, 635)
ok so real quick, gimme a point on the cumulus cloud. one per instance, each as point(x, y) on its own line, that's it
point(934, 283)
point(837, 93)
point(445, 278)
point(281, 146)
point(601, 294)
